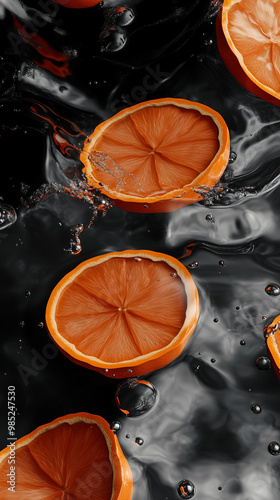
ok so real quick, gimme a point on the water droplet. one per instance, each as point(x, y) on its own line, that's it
point(146, 206)
point(213, 360)
point(274, 448)
point(41, 324)
point(139, 441)
point(196, 367)
point(263, 318)
point(129, 370)
point(263, 363)
point(208, 42)
point(115, 426)
point(135, 397)
point(210, 218)
point(112, 40)
point(232, 157)
point(242, 342)
point(125, 16)
point(22, 324)
point(127, 436)
point(192, 265)
point(27, 293)
point(272, 289)
point(106, 370)
point(220, 488)
point(186, 489)
point(7, 216)
point(237, 308)
point(256, 409)
point(215, 320)
point(137, 259)
point(221, 263)
point(173, 274)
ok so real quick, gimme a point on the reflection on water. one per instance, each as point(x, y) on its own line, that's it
point(207, 424)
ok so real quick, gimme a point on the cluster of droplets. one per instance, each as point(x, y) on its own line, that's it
point(75, 242)
point(8, 216)
point(113, 36)
point(104, 163)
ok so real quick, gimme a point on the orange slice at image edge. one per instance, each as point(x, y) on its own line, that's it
point(157, 155)
point(75, 456)
point(248, 37)
point(124, 313)
point(272, 336)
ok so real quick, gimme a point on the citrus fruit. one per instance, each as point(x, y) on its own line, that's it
point(272, 335)
point(77, 4)
point(151, 157)
point(248, 36)
point(124, 313)
point(74, 457)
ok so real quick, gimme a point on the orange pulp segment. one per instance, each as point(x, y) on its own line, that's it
point(124, 312)
point(75, 456)
point(248, 34)
point(151, 157)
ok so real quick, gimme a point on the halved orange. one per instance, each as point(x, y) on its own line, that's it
point(153, 156)
point(272, 335)
point(76, 456)
point(124, 313)
point(78, 4)
point(248, 35)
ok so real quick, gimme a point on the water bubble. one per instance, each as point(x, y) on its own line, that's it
point(232, 157)
point(237, 308)
point(213, 360)
point(274, 448)
point(220, 488)
point(263, 318)
point(208, 42)
point(242, 342)
point(137, 259)
point(215, 320)
point(256, 409)
point(8, 216)
point(186, 489)
point(135, 397)
point(27, 293)
point(127, 436)
point(263, 363)
point(115, 426)
point(129, 370)
point(272, 289)
point(125, 16)
point(106, 370)
point(22, 324)
point(139, 441)
point(193, 265)
point(210, 218)
point(112, 40)
point(173, 274)
point(41, 324)
point(221, 263)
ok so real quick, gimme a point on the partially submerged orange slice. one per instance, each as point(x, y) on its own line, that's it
point(154, 156)
point(124, 313)
point(74, 457)
point(272, 335)
point(248, 35)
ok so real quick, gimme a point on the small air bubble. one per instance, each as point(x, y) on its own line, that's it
point(186, 489)
point(215, 320)
point(115, 426)
point(221, 263)
point(173, 274)
point(232, 157)
point(22, 324)
point(129, 370)
point(137, 259)
point(237, 308)
point(213, 360)
point(41, 324)
point(127, 436)
point(274, 448)
point(242, 342)
point(27, 293)
point(210, 218)
point(139, 441)
point(256, 409)
point(106, 370)
point(193, 265)
point(272, 289)
point(263, 363)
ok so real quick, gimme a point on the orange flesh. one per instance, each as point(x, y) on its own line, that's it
point(254, 27)
point(122, 308)
point(157, 149)
point(63, 463)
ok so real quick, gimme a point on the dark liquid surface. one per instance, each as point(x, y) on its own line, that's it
point(202, 426)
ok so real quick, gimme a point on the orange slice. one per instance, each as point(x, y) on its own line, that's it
point(272, 335)
point(77, 4)
point(151, 157)
point(124, 313)
point(248, 35)
point(74, 457)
